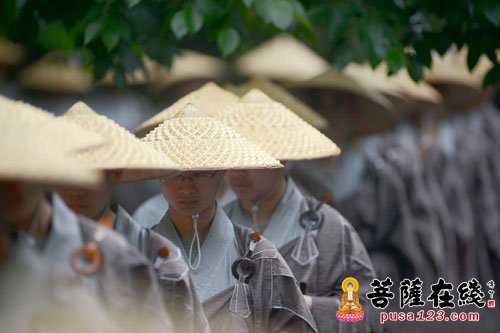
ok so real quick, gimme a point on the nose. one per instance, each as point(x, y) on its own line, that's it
point(187, 186)
point(236, 173)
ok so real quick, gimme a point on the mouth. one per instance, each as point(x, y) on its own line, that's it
point(188, 202)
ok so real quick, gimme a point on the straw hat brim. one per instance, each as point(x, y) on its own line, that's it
point(54, 74)
point(32, 156)
point(338, 81)
point(69, 136)
point(278, 131)
point(123, 151)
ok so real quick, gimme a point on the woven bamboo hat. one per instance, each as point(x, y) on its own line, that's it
point(10, 53)
point(210, 97)
point(196, 141)
point(452, 68)
point(123, 151)
point(375, 79)
point(69, 136)
point(276, 129)
point(268, 60)
point(30, 155)
point(332, 79)
point(190, 65)
point(281, 95)
point(55, 73)
point(460, 87)
point(418, 90)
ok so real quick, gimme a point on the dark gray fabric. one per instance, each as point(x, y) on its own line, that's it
point(276, 303)
point(341, 254)
point(127, 280)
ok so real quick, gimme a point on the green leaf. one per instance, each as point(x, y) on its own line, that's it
point(281, 13)
point(119, 25)
point(492, 12)
point(248, 3)
point(161, 49)
point(395, 58)
point(194, 20)
point(300, 14)
point(178, 25)
point(472, 57)
point(492, 77)
point(263, 9)
point(110, 39)
point(415, 69)
point(55, 36)
point(92, 31)
point(132, 3)
point(228, 40)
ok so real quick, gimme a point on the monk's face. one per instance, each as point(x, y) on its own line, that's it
point(91, 203)
point(190, 193)
point(18, 203)
point(253, 185)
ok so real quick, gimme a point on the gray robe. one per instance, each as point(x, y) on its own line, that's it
point(177, 287)
point(340, 254)
point(276, 303)
point(125, 281)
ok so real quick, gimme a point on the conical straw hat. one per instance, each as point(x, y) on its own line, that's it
point(281, 95)
point(282, 58)
point(10, 53)
point(190, 65)
point(276, 129)
point(452, 68)
point(69, 136)
point(378, 80)
point(419, 90)
point(332, 79)
point(196, 141)
point(30, 155)
point(210, 97)
point(123, 151)
point(56, 74)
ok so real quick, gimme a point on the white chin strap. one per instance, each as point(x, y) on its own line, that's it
point(196, 238)
point(255, 210)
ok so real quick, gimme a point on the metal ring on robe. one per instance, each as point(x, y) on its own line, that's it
point(312, 219)
point(90, 253)
point(245, 267)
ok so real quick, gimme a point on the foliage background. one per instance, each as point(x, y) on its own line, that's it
point(116, 33)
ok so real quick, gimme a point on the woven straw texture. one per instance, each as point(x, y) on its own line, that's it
point(196, 141)
point(210, 97)
point(276, 129)
point(281, 95)
point(282, 58)
point(69, 136)
point(332, 79)
point(123, 151)
point(30, 155)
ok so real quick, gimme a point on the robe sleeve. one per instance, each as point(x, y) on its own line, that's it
point(354, 261)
